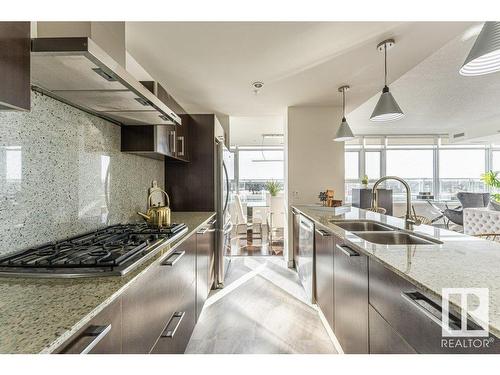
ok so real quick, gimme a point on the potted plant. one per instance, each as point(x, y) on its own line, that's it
point(364, 181)
point(273, 187)
point(490, 179)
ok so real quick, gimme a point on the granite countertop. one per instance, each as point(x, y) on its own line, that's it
point(37, 315)
point(461, 261)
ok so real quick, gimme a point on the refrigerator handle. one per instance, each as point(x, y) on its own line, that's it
point(227, 185)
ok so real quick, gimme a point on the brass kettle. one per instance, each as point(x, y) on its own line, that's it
point(157, 216)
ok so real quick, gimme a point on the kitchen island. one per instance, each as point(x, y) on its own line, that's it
point(402, 276)
point(39, 315)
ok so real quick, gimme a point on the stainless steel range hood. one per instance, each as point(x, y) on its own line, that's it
point(77, 71)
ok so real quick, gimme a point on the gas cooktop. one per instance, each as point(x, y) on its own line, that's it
point(114, 250)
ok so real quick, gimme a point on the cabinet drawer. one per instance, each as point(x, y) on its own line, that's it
point(324, 244)
point(151, 300)
point(351, 297)
point(180, 326)
point(205, 242)
point(412, 313)
point(383, 338)
point(102, 335)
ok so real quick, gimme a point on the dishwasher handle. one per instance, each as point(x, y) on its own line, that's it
point(323, 233)
point(346, 250)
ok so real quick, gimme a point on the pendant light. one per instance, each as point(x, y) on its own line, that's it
point(386, 109)
point(344, 132)
point(484, 56)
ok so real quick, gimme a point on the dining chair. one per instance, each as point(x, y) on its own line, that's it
point(259, 216)
point(277, 219)
point(241, 218)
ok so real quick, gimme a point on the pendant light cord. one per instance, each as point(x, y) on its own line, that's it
point(343, 103)
point(385, 64)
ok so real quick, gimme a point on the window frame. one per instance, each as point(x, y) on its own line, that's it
point(436, 146)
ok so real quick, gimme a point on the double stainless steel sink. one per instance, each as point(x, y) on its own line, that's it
point(383, 234)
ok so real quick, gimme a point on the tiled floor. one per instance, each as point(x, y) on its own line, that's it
point(262, 309)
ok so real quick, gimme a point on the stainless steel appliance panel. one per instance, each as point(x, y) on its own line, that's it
point(223, 163)
point(305, 256)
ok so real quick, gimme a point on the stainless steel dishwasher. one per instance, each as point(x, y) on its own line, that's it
point(305, 256)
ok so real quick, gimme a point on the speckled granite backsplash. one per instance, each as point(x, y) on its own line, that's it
point(62, 173)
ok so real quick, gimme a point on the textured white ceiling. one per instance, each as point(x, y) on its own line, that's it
point(437, 99)
point(210, 66)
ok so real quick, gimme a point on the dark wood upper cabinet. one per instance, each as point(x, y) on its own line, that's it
point(193, 188)
point(15, 49)
point(159, 141)
point(153, 141)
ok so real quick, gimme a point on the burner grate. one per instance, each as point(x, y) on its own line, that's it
point(109, 247)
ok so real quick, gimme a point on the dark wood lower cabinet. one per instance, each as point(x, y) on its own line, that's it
point(102, 335)
point(158, 311)
point(351, 298)
point(416, 316)
point(324, 242)
point(383, 338)
point(149, 303)
point(375, 310)
point(177, 332)
point(205, 246)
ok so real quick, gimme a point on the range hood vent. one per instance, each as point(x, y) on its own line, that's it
point(78, 72)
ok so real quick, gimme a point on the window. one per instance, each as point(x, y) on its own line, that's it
point(460, 170)
point(415, 166)
point(255, 168)
point(352, 165)
point(372, 164)
point(495, 160)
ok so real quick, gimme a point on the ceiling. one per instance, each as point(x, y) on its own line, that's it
point(437, 99)
point(209, 66)
point(249, 131)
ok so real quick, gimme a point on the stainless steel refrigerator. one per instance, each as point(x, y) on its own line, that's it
point(224, 165)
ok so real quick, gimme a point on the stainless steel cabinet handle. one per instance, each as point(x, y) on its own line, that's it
point(173, 324)
point(323, 233)
point(202, 230)
point(413, 297)
point(173, 258)
point(347, 250)
point(172, 141)
point(96, 333)
point(181, 139)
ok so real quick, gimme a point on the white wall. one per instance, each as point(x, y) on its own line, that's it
point(248, 130)
point(314, 161)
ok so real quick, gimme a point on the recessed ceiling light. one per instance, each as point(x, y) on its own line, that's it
point(257, 85)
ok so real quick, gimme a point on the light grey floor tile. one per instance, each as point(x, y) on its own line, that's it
point(261, 310)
